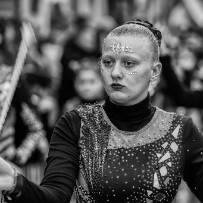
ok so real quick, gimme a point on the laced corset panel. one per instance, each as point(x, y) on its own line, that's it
point(145, 166)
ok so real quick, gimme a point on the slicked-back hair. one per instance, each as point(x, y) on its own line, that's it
point(137, 30)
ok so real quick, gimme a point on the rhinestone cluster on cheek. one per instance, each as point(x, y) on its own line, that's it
point(142, 166)
point(132, 73)
point(129, 73)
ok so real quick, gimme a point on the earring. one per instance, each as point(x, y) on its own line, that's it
point(153, 79)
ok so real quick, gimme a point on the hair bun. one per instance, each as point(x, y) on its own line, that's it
point(150, 26)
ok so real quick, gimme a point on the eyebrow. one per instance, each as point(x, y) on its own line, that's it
point(107, 55)
point(123, 55)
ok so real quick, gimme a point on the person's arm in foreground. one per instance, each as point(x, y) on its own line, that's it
point(181, 95)
point(193, 150)
point(61, 171)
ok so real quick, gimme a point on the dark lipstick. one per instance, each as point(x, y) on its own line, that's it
point(116, 86)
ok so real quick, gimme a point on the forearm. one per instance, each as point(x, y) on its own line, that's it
point(56, 186)
point(62, 166)
point(30, 192)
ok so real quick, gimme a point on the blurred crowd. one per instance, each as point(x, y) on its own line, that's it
point(61, 70)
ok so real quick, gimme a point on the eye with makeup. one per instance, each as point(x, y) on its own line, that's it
point(107, 63)
point(129, 64)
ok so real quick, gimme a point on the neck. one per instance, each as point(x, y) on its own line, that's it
point(135, 113)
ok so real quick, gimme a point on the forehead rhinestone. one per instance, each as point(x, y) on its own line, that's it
point(118, 47)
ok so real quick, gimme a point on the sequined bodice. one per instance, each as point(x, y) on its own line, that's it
point(117, 166)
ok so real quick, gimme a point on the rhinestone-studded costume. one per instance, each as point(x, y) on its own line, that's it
point(119, 154)
point(118, 166)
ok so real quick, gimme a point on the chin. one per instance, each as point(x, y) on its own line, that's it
point(118, 98)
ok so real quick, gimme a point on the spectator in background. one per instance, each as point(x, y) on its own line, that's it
point(39, 83)
point(80, 50)
point(181, 91)
point(89, 88)
point(9, 40)
point(181, 71)
point(23, 139)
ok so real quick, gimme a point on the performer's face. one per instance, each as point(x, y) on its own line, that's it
point(127, 68)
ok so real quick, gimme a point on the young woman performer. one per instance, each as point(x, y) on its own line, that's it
point(125, 150)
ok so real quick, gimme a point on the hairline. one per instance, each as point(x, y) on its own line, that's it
point(131, 34)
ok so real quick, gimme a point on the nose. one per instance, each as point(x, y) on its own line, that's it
point(117, 71)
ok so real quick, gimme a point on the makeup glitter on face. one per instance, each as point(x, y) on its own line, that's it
point(106, 70)
point(119, 47)
point(126, 61)
point(133, 73)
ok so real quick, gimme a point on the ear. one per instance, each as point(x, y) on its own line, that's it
point(155, 71)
